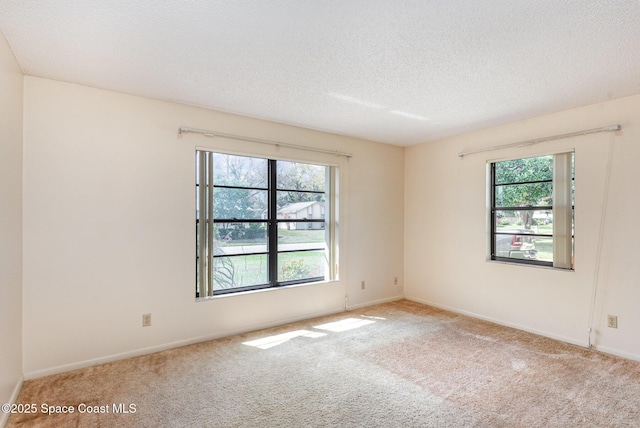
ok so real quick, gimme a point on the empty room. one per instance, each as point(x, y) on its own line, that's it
point(368, 213)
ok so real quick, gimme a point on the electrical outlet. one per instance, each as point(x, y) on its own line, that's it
point(362, 285)
point(146, 320)
point(612, 321)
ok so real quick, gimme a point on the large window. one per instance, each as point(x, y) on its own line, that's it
point(260, 223)
point(532, 210)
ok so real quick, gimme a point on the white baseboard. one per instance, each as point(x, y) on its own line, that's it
point(176, 344)
point(4, 417)
point(570, 340)
point(617, 353)
point(375, 302)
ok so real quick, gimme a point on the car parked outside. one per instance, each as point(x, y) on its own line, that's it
point(515, 244)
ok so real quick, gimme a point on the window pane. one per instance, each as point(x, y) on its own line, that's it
point(522, 233)
point(522, 170)
point(239, 203)
point(251, 248)
point(239, 271)
point(523, 195)
point(241, 171)
point(301, 176)
point(301, 236)
point(301, 206)
point(240, 238)
point(301, 265)
point(534, 221)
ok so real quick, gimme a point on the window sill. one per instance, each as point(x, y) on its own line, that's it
point(531, 265)
point(263, 290)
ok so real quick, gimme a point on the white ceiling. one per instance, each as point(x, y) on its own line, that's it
point(395, 71)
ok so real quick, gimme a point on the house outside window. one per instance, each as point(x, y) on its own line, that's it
point(532, 210)
point(253, 228)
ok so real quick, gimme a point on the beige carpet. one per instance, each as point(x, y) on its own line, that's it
point(400, 364)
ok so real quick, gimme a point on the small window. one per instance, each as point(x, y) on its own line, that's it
point(532, 210)
point(253, 224)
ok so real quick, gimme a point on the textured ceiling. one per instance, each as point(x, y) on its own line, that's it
point(396, 71)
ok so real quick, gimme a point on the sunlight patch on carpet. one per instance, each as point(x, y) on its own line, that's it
point(372, 317)
point(344, 325)
point(279, 339)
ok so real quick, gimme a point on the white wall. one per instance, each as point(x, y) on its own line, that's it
point(10, 225)
point(109, 226)
point(445, 230)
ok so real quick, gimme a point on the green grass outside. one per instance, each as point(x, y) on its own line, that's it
point(252, 270)
point(545, 248)
point(296, 236)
